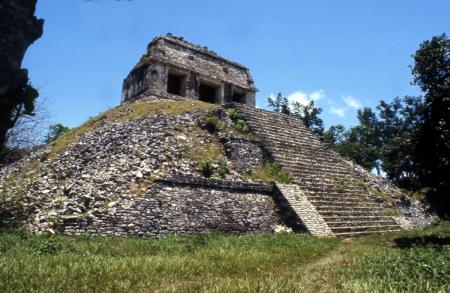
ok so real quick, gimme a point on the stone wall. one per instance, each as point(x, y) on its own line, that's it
point(180, 205)
point(194, 65)
point(205, 64)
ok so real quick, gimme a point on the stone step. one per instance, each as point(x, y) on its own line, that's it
point(329, 189)
point(371, 228)
point(291, 137)
point(360, 223)
point(332, 195)
point(328, 182)
point(362, 233)
point(305, 168)
point(334, 201)
point(343, 207)
point(331, 219)
point(345, 213)
point(293, 147)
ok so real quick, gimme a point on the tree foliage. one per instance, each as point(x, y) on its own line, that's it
point(308, 114)
point(431, 72)
point(279, 104)
point(360, 143)
point(55, 131)
point(408, 138)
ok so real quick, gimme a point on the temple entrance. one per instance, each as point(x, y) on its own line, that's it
point(238, 96)
point(207, 93)
point(175, 84)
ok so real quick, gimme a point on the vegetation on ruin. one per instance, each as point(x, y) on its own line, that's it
point(202, 153)
point(412, 261)
point(270, 172)
point(239, 123)
point(213, 123)
point(218, 169)
point(128, 112)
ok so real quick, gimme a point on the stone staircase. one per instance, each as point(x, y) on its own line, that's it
point(324, 179)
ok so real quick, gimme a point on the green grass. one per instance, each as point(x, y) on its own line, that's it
point(270, 172)
point(128, 112)
point(412, 261)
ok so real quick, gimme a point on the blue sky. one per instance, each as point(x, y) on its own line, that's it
point(344, 54)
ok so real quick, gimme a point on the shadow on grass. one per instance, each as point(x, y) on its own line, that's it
point(407, 242)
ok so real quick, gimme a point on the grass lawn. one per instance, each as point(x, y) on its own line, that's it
point(412, 261)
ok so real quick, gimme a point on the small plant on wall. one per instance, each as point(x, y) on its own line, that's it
point(216, 169)
point(238, 123)
point(213, 123)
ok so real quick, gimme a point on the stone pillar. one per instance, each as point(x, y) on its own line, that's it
point(192, 85)
point(156, 79)
point(220, 95)
point(227, 93)
point(250, 99)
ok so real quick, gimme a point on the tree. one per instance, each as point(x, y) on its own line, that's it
point(308, 114)
point(360, 143)
point(399, 124)
point(335, 135)
point(409, 137)
point(279, 104)
point(431, 72)
point(29, 130)
point(19, 28)
point(55, 131)
point(384, 140)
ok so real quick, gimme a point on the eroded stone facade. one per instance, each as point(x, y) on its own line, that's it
point(184, 205)
point(175, 69)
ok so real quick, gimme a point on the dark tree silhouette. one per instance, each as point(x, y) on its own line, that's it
point(19, 28)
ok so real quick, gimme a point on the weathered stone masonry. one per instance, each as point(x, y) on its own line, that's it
point(184, 205)
point(175, 69)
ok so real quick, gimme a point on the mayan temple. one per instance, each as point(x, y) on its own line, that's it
point(175, 69)
point(184, 153)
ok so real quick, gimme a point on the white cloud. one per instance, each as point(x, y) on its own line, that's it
point(305, 98)
point(299, 97)
point(352, 102)
point(340, 111)
point(317, 95)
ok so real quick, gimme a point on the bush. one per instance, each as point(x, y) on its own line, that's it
point(217, 169)
point(55, 131)
point(238, 123)
point(233, 114)
point(241, 126)
point(208, 169)
point(222, 168)
point(213, 123)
